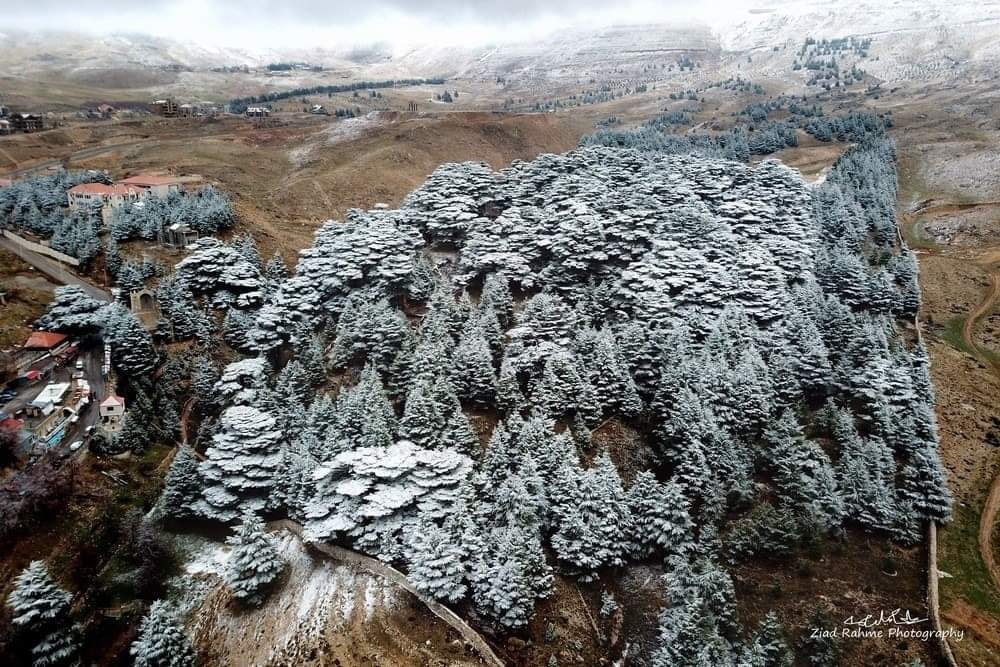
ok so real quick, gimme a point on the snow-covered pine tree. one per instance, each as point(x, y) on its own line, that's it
point(865, 475)
point(611, 508)
point(182, 485)
point(809, 354)
point(162, 641)
point(486, 320)
point(509, 585)
point(769, 646)
point(660, 520)
point(423, 281)
point(131, 346)
point(804, 477)
point(423, 419)
point(275, 273)
point(373, 495)
point(594, 527)
point(245, 245)
point(312, 357)
point(41, 616)
point(182, 317)
point(496, 295)
point(472, 368)
point(925, 486)
point(364, 415)
point(72, 310)
point(254, 563)
point(204, 375)
point(610, 378)
point(544, 325)
point(459, 435)
point(292, 383)
point(436, 564)
point(235, 327)
point(510, 399)
point(563, 389)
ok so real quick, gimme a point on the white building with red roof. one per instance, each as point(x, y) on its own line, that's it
point(113, 196)
point(112, 412)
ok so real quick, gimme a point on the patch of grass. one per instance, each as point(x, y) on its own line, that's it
point(958, 555)
point(952, 335)
point(916, 238)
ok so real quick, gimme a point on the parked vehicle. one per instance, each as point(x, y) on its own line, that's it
point(76, 445)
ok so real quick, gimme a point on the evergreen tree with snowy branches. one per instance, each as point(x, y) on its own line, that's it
point(660, 519)
point(162, 641)
point(254, 563)
point(436, 565)
point(182, 485)
point(40, 611)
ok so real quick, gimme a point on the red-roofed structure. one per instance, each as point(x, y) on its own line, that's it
point(44, 340)
point(88, 194)
point(11, 424)
point(113, 400)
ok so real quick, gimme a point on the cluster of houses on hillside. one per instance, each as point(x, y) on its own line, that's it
point(169, 108)
point(11, 122)
point(44, 417)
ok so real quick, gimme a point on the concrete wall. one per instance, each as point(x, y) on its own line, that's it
point(40, 249)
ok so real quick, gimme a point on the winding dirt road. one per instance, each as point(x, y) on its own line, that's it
point(989, 260)
point(988, 518)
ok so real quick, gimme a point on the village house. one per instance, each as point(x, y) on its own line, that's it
point(111, 413)
point(158, 186)
point(180, 235)
point(26, 122)
point(40, 344)
point(46, 401)
point(167, 108)
point(108, 197)
point(257, 112)
point(106, 110)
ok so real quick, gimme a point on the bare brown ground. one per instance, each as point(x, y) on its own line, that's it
point(287, 180)
point(26, 293)
point(960, 286)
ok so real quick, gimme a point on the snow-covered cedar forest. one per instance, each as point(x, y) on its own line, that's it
point(430, 384)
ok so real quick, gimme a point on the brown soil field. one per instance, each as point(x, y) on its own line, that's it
point(287, 180)
point(26, 293)
point(947, 193)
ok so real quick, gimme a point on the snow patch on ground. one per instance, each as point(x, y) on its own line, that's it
point(339, 130)
point(351, 128)
point(211, 559)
